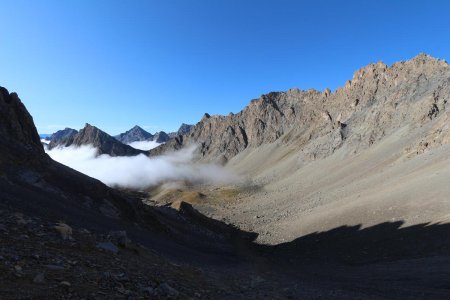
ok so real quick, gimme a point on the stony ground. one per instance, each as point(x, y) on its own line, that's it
point(45, 260)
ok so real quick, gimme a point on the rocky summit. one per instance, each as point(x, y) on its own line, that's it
point(61, 135)
point(135, 134)
point(161, 137)
point(184, 129)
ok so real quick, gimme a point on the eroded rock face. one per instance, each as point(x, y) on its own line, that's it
point(106, 144)
point(378, 100)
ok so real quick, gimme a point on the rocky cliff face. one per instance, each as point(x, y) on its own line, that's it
point(17, 128)
point(377, 100)
point(106, 144)
point(135, 134)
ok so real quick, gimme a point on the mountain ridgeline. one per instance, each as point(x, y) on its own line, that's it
point(378, 100)
point(137, 134)
point(91, 135)
point(106, 144)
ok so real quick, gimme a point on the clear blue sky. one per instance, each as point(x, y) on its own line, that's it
point(115, 64)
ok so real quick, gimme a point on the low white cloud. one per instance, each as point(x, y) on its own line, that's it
point(144, 145)
point(44, 141)
point(140, 171)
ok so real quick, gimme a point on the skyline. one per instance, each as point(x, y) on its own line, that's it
point(157, 65)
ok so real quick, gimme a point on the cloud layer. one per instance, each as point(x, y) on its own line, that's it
point(144, 145)
point(139, 171)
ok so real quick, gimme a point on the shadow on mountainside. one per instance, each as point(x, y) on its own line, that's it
point(356, 245)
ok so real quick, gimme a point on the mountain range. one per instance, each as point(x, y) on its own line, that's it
point(338, 194)
point(91, 135)
point(137, 134)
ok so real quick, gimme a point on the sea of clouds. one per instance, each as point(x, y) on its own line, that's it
point(144, 145)
point(140, 171)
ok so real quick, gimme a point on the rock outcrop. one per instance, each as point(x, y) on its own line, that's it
point(106, 144)
point(135, 134)
point(379, 99)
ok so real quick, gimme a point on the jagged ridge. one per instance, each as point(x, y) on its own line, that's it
point(106, 144)
point(377, 100)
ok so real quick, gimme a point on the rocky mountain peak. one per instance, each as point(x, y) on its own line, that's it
point(16, 124)
point(135, 134)
point(161, 137)
point(184, 129)
point(61, 135)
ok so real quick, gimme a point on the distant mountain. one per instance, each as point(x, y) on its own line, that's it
point(44, 135)
point(61, 135)
point(135, 134)
point(161, 137)
point(184, 129)
point(106, 144)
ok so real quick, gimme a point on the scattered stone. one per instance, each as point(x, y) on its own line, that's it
point(108, 246)
point(54, 267)
point(119, 237)
point(148, 290)
point(65, 230)
point(168, 290)
point(39, 278)
point(18, 268)
point(65, 284)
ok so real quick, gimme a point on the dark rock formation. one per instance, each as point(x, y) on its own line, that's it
point(135, 134)
point(19, 136)
point(378, 100)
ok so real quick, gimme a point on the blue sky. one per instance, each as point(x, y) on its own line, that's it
point(157, 64)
